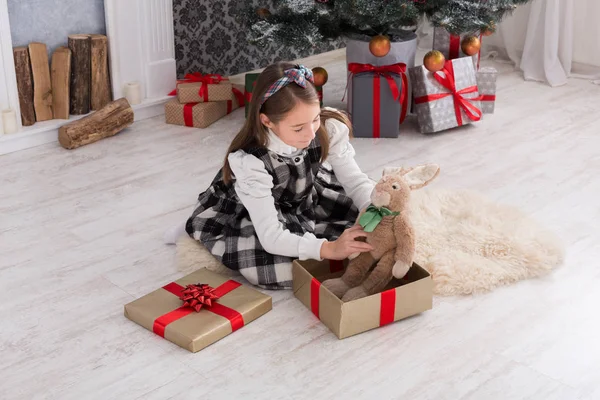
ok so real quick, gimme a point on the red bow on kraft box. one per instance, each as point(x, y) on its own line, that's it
point(194, 315)
point(447, 80)
point(198, 88)
point(192, 303)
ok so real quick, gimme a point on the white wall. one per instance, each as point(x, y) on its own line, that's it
point(52, 21)
point(586, 46)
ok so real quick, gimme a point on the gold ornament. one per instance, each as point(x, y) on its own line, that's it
point(380, 45)
point(264, 13)
point(434, 61)
point(471, 45)
point(320, 76)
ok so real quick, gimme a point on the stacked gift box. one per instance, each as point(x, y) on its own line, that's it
point(201, 100)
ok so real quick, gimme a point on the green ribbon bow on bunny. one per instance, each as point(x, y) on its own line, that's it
point(373, 216)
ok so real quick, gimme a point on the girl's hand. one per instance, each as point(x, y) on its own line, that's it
point(345, 245)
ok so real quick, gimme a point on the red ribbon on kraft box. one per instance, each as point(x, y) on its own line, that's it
point(385, 71)
point(188, 109)
point(460, 102)
point(235, 318)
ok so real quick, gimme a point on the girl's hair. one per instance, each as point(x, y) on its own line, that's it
point(254, 133)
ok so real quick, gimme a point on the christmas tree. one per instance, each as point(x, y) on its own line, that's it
point(468, 16)
point(303, 23)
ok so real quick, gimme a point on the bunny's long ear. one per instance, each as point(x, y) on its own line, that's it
point(395, 171)
point(420, 176)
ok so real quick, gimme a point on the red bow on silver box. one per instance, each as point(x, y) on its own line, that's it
point(447, 80)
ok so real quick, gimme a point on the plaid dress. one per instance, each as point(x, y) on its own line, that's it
point(308, 198)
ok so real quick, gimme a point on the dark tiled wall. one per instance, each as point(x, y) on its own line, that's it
point(208, 39)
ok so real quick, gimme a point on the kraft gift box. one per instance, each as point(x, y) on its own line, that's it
point(163, 312)
point(402, 298)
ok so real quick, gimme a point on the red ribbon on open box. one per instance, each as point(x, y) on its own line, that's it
point(400, 299)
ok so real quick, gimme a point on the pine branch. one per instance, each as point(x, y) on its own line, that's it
point(303, 23)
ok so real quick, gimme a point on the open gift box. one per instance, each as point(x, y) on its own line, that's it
point(402, 298)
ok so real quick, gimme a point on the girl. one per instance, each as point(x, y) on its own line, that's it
point(276, 199)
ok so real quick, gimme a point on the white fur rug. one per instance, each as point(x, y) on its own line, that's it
point(468, 243)
point(471, 245)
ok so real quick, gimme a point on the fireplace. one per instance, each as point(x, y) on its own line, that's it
point(141, 51)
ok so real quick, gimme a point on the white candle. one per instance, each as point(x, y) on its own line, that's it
point(133, 93)
point(9, 119)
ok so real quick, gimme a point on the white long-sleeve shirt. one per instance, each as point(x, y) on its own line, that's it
point(253, 186)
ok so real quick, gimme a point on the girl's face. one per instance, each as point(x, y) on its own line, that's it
point(299, 126)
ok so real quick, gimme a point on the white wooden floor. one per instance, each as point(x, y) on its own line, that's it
point(81, 235)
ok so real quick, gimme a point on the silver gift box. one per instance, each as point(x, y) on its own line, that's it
point(438, 115)
point(486, 83)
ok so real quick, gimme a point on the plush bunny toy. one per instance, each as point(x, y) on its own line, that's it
point(389, 231)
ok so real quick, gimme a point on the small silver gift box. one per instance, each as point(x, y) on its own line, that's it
point(486, 83)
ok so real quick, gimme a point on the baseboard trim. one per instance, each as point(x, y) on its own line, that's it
point(47, 132)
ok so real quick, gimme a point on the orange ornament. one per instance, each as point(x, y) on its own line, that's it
point(320, 76)
point(470, 45)
point(380, 45)
point(434, 61)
